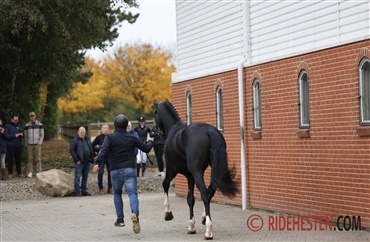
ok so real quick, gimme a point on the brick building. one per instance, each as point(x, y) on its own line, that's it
point(299, 135)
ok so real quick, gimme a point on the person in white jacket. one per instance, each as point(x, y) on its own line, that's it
point(34, 136)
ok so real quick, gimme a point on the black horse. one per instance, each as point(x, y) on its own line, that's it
point(188, 151)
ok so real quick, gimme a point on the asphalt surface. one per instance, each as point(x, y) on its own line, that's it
point(92, 219)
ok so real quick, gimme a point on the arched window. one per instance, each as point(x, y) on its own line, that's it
point(304, 100)
point(257, 117)
point(188, 107)
point(219, 108)
point(364, 86)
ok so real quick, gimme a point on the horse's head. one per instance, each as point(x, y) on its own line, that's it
point(158, 119)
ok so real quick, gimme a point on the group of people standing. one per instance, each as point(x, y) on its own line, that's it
point(123, 153)
point(11, 146)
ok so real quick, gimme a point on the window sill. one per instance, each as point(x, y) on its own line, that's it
point(256, 134)
point(303, 133)
point(363, 131)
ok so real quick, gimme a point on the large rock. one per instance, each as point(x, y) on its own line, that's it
point(54, 183)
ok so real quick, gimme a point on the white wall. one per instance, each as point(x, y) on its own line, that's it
point(211, 35)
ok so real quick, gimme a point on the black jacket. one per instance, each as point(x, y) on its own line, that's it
point(142, 132)
point(120, 146)
point(10, 131)
point(158, 140)
point(97, 143)
point(76, 150)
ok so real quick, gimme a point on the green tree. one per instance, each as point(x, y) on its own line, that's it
point(42, 45)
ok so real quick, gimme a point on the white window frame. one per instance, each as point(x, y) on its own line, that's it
point(364, 91)
point(257, 112)
point(304, 100)
point(219, 109)
point(188, 108)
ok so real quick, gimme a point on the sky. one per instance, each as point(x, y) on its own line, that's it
point(156, 25)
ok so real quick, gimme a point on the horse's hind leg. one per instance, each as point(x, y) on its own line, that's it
point(167, 211)
point(211, 192)
point(191, 202)
point(198, 178)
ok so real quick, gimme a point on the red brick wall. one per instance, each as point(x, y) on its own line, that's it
point(325, 174)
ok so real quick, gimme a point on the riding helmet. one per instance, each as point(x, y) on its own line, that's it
point(120, 121)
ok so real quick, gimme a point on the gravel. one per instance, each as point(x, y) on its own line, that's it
point(24, 188)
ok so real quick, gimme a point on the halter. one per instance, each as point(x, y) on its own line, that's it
point(161, 133)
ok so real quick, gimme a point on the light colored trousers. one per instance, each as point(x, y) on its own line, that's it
point(140, 157)
point(34, 157)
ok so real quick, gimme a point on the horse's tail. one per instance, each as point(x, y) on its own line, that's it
point(222, 177)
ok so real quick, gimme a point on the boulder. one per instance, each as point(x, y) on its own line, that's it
point(54, 183)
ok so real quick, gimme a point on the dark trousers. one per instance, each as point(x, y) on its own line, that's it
point(14, 152)
point(101, 173)
point(158, 150)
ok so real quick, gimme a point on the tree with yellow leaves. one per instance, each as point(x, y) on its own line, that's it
point(135, 75)
point(84, 97)
point(139, 73)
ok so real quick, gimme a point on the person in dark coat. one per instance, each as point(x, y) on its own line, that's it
point(96, 144)
point(143, 132)
point(121, 147)
point(82, 154)
point(13, 134)
point(159, 143)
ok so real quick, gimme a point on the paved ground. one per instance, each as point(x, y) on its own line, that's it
point(92, 218)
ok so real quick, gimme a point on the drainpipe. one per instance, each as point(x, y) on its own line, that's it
point(244, 59)
point(242, 143)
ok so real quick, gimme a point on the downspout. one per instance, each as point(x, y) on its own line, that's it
point(242, 143)
point(244, 59)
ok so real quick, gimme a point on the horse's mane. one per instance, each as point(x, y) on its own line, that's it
point(171, 110)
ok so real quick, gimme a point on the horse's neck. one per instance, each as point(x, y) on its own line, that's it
point(176, 124)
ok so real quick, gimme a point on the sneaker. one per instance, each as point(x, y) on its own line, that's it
point(85, 194)
point(101, 191)
point(161, 173)
point(29, 175)
point(119, 223)
point(135, 223)
point(21, 175)
point(110, 191)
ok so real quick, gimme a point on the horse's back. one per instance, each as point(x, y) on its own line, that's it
point(198, 139)
point(188, 147)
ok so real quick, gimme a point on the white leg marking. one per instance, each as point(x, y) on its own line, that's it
point(191, 227)
point(208, 233)
point(166, 204)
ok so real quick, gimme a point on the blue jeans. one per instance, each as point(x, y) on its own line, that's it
point(127, 177)
point(81, 170)
point(100, 175)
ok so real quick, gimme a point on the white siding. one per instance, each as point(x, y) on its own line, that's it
point(209, 37)
point(284, 29)
point(211, 34)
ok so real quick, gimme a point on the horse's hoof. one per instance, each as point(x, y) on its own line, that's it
point(208, 238)
point(168, 216)
point(204, 220)
point(191, 232)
